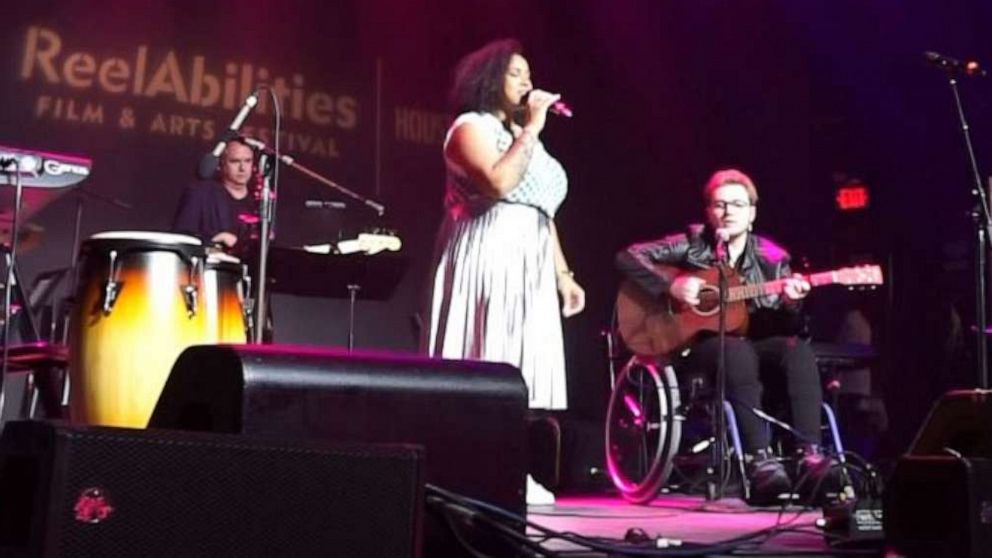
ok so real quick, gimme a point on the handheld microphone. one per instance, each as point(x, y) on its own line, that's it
point(953, 65)
point(208, 165)
point(559, 107)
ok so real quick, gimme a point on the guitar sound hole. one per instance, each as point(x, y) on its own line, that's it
point(709, 300)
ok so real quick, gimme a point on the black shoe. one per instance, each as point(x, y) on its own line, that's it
point(821, 478)
point(770, 484)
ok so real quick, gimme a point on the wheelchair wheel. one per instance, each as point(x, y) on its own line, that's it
point(643, 429)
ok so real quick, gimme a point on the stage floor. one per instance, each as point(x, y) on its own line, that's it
point(689, 519)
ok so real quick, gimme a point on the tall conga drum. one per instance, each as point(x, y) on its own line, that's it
point(225, 288)
point(139, 303)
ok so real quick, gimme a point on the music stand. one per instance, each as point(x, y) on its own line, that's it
point(298, 272)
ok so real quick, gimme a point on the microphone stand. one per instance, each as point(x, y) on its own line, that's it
point(266, 213)
point(267, 216)
point(370, 203)
point(720, 447)
point(983, 225)
point(291, 162)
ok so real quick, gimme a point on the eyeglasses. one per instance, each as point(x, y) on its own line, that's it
point(735, 205)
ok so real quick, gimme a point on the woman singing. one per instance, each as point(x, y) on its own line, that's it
point(499, 266)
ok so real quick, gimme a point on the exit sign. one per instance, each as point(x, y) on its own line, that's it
point(852, 198)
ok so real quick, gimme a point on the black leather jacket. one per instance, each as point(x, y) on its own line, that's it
point(762, 260)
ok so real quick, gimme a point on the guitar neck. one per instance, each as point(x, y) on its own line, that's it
point(755, 290)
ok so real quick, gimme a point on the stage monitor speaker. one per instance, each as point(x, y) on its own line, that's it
point(961, 421)
point(109, 492)
point(938, 501)
point(468, 415)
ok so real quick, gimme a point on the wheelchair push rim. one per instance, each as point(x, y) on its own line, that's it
point(643, 429)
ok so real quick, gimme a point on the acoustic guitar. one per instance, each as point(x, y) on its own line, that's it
point(656, 326)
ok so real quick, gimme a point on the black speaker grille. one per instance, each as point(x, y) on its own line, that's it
point(172, 494)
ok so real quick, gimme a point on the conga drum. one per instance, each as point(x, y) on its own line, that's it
point(139, 303)
point(224, 290)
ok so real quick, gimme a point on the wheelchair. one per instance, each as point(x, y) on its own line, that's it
point(646, 427)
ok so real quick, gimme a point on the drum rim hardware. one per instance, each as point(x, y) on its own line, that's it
point(112, 287)
point(190, 290)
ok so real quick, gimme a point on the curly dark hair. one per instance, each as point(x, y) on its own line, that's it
point(479, 77)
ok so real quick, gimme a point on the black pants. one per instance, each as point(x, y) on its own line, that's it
point(785, 365)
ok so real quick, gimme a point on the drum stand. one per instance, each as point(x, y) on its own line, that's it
point(20, 309)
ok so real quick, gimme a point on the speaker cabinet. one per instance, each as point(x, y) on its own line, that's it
point(938, 501)
point(960, 420)
point(109, 492)
point(468, 415)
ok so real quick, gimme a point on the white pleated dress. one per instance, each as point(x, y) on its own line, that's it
point(494, 295)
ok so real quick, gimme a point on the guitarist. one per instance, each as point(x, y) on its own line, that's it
point(770, 354)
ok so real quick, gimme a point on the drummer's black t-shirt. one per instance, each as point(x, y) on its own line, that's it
point(244, 216)
point(207, 208)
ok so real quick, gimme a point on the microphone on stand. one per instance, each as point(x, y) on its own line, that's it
point(722, 236)
point(287, 160)
point(967, 67)
point(208, 165)
point(559, 107)
point(261, 146)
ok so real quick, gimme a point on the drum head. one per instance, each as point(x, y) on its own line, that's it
point(138, 242)
point(148, 236)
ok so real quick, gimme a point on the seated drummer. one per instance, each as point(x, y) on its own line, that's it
point(770, 353)
point(222, 212)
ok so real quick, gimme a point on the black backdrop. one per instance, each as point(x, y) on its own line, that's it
point(795, 93)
